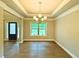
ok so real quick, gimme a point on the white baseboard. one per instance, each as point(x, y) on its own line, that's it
point(39, 39)
point(72, 55)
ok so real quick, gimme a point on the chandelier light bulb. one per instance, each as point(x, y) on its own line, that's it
point(39, 15)
point(42, 19)
point(34, 17)
point(45, 17)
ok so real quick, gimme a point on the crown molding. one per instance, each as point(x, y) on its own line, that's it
point(5, 7)
point(64, 2)
point(71, 10)
point(20, 6)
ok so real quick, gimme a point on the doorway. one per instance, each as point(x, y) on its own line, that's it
point(12, 31)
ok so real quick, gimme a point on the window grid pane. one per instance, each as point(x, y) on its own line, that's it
point(34, 29)
point(42, 29)
point(42, 32)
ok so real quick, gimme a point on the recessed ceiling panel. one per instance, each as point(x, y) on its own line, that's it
point(34, 6)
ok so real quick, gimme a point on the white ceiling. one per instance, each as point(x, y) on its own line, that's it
point(51, 8)
point(46, 6)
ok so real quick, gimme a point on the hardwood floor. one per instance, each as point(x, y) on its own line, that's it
point(34, 50)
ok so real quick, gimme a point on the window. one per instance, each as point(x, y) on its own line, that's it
point(38, 29)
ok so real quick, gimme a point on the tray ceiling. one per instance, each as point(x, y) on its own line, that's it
point(46, 6)
point(51, 8)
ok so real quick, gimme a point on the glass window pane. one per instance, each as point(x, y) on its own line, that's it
point(42, 32)
point(42, 29)
point(34, 25)
point(42, 25)
point(34, 29)
point(34, 32)
point(12, 28)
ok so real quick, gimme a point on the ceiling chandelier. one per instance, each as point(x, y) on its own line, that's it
point(39, 17)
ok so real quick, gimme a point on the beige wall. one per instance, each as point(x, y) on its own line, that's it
point(67, 32)
point(50, 30)
point(25, 32)
point(8, 17)
point(1, 32)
